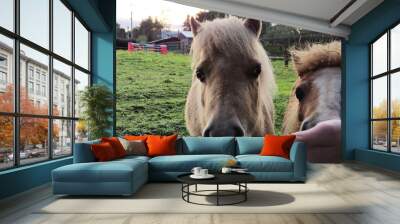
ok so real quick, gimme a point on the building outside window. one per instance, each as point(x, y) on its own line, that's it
point(38, 89)
point(43, 78)
point(30, 87)
point(30, 72)
point(37, 75)
point(385, 92)
point(58, 126)
point(43, 90)
point(3, 72)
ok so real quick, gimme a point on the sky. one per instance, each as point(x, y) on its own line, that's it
point(172, 14)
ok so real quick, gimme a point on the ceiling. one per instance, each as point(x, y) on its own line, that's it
point(326, 16)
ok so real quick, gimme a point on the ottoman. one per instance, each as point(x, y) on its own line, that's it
point(119, 177)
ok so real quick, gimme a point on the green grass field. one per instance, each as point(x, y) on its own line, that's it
point(152, 88)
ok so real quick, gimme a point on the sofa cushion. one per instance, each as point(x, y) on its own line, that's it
point(208, 145)
point(134, 147)
point(249, 145)
point(132, 158)
point(103, 152)
point(116, 145)
point(277, 145)
point(257, 163)
point(161, 145)
point(185, 163)
point(112, 171)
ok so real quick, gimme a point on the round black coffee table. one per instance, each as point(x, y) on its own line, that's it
point(238, 179)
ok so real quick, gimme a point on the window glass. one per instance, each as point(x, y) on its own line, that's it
point(39, 62)
point(395, 136)
point(7, 14)
point(395, 95)
point(33, 140)
point(62, 138)
point(62, 29)
point(81, 45)
point(34, 81)
point(6, 74)
point(379, 56)
point(395, 47)
point(6, 142)
point(62, 89)
point(379, 135)
point(379, 98)
point(81, 82)
point(34, 21)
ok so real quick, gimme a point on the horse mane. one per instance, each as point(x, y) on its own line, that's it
point(222, 36)
point(316, 56)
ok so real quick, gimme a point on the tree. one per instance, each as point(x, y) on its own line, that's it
point(203, 16)
point(380, 127)
point(150, 27)
point(33, 131)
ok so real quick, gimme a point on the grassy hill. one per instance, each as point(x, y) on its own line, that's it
point(152, 88)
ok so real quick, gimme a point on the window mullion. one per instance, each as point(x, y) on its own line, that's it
point(16, 84)
point(50, 81)
point(73, 81)
point(389, 104)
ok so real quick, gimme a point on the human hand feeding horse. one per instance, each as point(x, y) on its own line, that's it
point(233, 83)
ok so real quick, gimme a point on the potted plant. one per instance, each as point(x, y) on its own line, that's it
point(97, 104)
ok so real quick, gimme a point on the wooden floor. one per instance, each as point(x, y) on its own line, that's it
point(378, 189)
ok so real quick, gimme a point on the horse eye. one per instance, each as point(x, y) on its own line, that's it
point(300, 93)
point(256, 70)
point(200, 74)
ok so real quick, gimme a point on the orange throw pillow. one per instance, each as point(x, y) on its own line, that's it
point(116, 145)
point(161, 145)
point(103, 152)
point(135, 138)
point(277, 145)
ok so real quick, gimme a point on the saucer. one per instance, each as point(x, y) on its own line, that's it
point(208, 176)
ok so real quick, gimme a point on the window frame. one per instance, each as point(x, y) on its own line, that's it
point(16, 114)
point(388, 74)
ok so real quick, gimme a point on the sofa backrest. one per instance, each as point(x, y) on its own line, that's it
point(207, 145)
point(83, 152)
point(249, 145)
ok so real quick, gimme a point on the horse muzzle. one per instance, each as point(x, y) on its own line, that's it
point(224, 129)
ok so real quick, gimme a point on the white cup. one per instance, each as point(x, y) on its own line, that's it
point(226, 170)
point(196, 171)
point(203, 172)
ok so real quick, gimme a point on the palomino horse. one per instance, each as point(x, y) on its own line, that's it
point(316, 94)
point(232, 84)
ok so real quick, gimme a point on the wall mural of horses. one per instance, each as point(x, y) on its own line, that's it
point(233, 83)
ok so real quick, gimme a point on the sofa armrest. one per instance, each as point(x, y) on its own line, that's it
point(298, 155)
point(83, 152)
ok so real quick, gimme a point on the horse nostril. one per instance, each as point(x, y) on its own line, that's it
point(207, 132)
point(220, 131)
point(238, 131)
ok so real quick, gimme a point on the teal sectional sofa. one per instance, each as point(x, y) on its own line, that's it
point(125, 176)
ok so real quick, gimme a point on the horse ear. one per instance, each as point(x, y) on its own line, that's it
point(194, 25)
point(254, 26)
